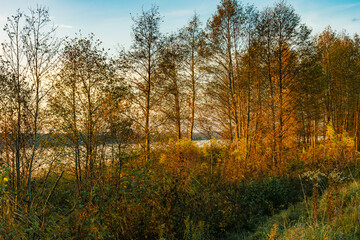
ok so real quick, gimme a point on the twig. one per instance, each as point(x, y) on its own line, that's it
point(47, 199)
point(303, 190)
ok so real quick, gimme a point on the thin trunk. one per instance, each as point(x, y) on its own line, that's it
point(18, 131)
point(193, 94)
point(230, 126)
point(232, 92)
point(34, 148)
point(90, 139)
point(177, 109)
point(328, 89)
point(248, 99)
point(281, 123)
point(272, 105)
point(357, 145)
point(147, 115)
point(76, 141)
point(36, 115)
point(118, 182)
point(48, 198)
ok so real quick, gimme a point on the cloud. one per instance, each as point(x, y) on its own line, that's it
point(3, 19)
point(64, 26)
point(179, 13)
point(355, 19)
point(342, 7)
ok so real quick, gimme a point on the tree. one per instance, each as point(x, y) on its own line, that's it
point(325, 43)
point(223, 39)
point(40, 49)
point(81, 98)
point(339, 56)
point(282, 34)
point(249, 61)
point(15, 85)
point(64, 103)
point(192, 39)
point(171, 82)
point(142, 62)
point(118, 124)
point(310, 95)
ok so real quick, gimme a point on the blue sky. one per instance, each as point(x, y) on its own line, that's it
point(111, 22)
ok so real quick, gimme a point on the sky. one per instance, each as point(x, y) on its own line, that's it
point(110, 20)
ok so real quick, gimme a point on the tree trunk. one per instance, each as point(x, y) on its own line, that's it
point(147, 111)
point(193, 95)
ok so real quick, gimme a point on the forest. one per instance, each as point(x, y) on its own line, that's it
point(245, 126)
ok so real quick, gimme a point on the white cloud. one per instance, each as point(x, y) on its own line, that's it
point(3, 19)
point(179, 13)
point(342, 7)
point(64, 26)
